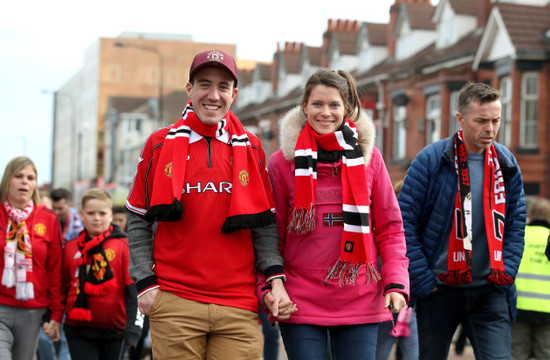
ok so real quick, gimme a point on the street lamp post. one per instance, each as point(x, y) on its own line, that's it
point(155, 50)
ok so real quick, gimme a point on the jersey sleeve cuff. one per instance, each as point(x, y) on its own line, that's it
point(274, 272)
point(145, 285)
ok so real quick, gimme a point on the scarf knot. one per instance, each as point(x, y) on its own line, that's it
point(18, 253)
point(356, 239)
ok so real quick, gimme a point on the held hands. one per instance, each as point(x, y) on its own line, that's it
point(278, 302)
point(146, 300)
point(394, 301)
point(52, 329)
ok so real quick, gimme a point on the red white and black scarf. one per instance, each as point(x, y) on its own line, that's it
point(251, 203)
point(18, 253)
point(94, 276)
point(356, 238)
point(459, 259)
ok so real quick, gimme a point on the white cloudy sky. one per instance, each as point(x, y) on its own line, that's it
point(42, 45)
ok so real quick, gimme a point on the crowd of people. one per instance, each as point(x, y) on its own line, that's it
point(336, 260)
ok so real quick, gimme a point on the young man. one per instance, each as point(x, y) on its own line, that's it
point(203, 181)
point(71, 225)
point(465, 232)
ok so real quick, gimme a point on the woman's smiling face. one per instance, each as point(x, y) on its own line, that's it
point(324, 109)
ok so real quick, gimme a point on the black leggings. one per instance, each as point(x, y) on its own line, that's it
point(94, 349)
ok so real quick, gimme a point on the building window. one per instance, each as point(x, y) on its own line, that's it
point(529, 107)
point(265, 134)
point(453, 109)
point(505, 135)
point(433, 119)
point(399, 141)
point(113, 73)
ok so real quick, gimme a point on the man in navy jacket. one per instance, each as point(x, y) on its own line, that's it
point(465, 233)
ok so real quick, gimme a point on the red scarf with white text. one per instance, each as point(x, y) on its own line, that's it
point(356, 237)
point(459, 260)
point(251, 203)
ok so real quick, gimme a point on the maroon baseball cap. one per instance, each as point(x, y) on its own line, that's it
point(213, 58)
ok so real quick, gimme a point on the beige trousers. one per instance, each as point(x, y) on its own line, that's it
point(190, 330)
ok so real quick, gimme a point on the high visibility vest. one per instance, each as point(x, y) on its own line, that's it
point(533, 277)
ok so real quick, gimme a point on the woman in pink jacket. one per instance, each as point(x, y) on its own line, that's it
point(337, 213)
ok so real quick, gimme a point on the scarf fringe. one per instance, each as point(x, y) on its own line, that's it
point(456, 277)
point(165, 212)
point(8, 278)
point(248, 221)
point(499, 277)
point(347, 273)
point(24, 291)
point(100, 289)
point(302, 220)
point(80, 314)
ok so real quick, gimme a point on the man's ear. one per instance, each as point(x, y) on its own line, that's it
point(459, 119)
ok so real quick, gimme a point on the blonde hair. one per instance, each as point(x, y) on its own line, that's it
point(14, 166)
point(96, 194)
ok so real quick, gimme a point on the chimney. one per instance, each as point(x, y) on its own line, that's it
point(394, 13)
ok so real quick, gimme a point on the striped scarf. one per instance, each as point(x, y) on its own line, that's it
point(251, 202)
point(18, 253)
point(96, 277)
point(459, 258)
point(356, 238)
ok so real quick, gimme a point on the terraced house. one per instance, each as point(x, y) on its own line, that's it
point(410, 70)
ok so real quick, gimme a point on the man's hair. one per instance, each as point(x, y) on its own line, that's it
point(60, 194)
point(119, 209)
point(96, 194)
point(479, 92)
point(539, 209)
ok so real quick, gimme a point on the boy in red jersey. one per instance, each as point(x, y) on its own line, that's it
point(99, 289)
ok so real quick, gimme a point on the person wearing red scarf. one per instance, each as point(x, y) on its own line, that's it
point(101, 304)
point(202, 183)
point(336, 212)
point(30, 293)
point(463, 210)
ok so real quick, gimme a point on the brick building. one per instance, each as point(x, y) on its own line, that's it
point(410, 70)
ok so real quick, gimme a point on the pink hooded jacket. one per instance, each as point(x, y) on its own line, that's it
point(308, 257)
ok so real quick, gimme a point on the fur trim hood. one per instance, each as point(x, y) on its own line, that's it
point(294, 121)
